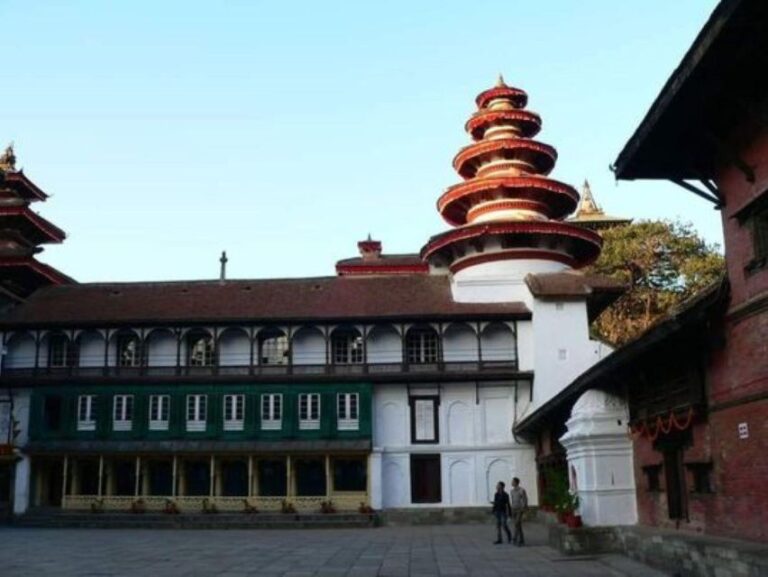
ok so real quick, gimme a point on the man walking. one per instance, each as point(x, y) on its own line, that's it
point(502, 511)
point(518, 503)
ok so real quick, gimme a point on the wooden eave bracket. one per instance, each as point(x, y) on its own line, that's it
point(712, 194)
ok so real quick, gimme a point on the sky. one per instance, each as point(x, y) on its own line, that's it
point(285, 132)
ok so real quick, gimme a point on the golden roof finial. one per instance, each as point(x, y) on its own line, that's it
point(8, 158)
point(500, 82)
point(588, 205)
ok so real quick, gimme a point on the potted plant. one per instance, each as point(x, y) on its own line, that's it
point(170, 507)
point(138, 506)
point(327, 507)
point(287, 507)
point(566, 508)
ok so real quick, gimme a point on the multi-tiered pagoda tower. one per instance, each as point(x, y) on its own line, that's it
point(22, 231)
point(508, 214)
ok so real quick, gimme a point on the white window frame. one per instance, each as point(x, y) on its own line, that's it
point(272, 417)
point(234, 412)
point(163, 405)
point(309, 411)
point(197, 412)
point(86, 420)
point(348, 415)
point(122, 413)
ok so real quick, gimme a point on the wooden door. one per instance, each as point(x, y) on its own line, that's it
point(426, 486)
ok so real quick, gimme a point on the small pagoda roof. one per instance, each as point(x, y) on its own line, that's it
point(18, 184)
point(23, 275)
point(304, 300)
point(717, 88)
point(589, 214)
point(31, 225)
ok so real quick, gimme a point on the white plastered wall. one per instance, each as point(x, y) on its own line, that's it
point(600, 459)
point(476, 445)
point(562, 349)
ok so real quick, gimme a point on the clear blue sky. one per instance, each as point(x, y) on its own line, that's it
point(284, 132)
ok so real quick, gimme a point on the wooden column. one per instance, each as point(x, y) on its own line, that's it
point(137, 474)
point(478, 330)
point(173, 482)
point(288, 475)
point(250, 475)
point(328, 476)
point(101, 474)
point(64, 480)
point(211, 490)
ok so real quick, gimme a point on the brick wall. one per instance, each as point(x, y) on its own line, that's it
point(738, 192)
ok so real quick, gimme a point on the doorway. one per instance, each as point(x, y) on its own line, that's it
point(426, 486)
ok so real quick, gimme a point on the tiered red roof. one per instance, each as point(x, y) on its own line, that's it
point(506, 193)
point(21, 232)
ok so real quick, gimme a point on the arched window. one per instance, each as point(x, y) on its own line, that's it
point(200, 351)
point(273, 348)
point(422, 345)
point(346, 347)
point(60, 351)
point(128, 350)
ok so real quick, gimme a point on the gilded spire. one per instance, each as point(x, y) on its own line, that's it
point(588, 204)
point(500, 82)
point(8, 159)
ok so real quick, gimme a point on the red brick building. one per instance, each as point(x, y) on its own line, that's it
point(696, 384)
point(709, 124)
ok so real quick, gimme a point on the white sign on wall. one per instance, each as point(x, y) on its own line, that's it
point(743, 431)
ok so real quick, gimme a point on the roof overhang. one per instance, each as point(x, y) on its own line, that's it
point(606, 374)
point(716, 91)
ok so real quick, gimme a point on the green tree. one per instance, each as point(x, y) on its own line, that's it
point(662, 263)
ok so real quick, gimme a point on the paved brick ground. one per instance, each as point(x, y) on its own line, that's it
point(454, 551)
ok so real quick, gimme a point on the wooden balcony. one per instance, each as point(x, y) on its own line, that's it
point(371, 371)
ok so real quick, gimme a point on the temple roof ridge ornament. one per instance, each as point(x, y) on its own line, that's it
point(590, 215)
point(588, 203)
point(8, 159)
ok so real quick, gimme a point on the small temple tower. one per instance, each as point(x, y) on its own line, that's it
point(590, 215)
point(22, 231)
point(508, 215)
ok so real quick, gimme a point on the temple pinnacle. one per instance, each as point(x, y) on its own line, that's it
point(8, 158)
point(500, 82)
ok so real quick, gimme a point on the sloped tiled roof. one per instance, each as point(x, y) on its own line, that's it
point(323, 298)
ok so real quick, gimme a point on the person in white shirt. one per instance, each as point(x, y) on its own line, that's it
point(518, 503)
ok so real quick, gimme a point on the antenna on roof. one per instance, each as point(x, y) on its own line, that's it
point(223, 260)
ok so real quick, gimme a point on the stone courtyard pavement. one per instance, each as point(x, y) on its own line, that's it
point(455, 551)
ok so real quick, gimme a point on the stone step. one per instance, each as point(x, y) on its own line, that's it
point(196, 521)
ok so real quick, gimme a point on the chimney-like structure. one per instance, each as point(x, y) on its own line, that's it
point(369, 249)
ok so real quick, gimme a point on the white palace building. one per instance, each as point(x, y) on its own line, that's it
point(394, 384)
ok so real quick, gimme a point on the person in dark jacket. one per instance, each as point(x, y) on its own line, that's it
point(502, 511)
